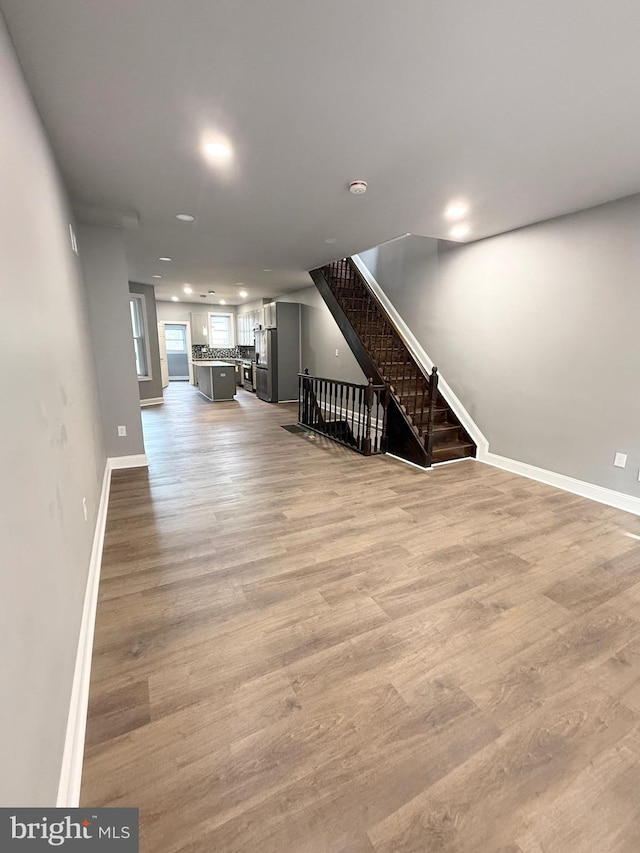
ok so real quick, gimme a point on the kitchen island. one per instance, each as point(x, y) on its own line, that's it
point(216, 379)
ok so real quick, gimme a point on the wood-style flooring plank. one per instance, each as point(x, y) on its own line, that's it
point(300, 650)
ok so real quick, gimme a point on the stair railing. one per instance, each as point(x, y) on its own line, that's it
point(353, 415)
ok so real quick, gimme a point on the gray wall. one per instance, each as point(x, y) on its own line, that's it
point(321, 337)
point(537, 333)
point(51, 452)
point(150, 388)
point(107, 286)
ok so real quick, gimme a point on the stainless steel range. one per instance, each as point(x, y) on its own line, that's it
point(247, 376)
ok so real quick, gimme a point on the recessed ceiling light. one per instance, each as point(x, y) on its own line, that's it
point(267, 270)
point(212, 291)
point(243, 294)
point(164, 259)
point(459, 231)
point(218, 151)
point(223, 302)
point(187, 289)
point(330, 240)
point(156, 276)
point(185, 217)
point(175, 299)
point(203, 296)
point(456, 210)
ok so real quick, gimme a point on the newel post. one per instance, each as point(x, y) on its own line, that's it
point(433, 398)
point(368, 401)
point(305, 397)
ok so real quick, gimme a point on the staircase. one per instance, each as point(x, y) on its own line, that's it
point(421, 427)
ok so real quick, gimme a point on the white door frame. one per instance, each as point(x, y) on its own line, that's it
point(185, 323)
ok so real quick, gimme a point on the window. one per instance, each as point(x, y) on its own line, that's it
point(221, 331)
point(175, 339)
point(139, 327)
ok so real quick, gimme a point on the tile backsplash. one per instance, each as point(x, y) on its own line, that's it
point(203, 351)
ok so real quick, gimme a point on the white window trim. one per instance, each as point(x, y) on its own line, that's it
point(232, 325)
point(148, 376)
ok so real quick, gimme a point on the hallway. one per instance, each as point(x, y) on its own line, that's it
point(300, 650)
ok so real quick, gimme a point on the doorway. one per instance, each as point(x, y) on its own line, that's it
point(176, 340)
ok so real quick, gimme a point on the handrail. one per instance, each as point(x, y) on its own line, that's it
point(350, 414)
point(340, 382)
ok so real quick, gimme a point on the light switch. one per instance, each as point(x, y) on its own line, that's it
point(621, 460)
point(336, 353)
point(122, 431)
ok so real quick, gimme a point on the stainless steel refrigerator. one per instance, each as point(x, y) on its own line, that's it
point(267, 364)
point(278, 354)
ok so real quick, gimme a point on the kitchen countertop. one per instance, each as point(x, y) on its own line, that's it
point(210, 363)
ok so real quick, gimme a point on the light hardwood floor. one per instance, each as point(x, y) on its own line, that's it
point(299, 650)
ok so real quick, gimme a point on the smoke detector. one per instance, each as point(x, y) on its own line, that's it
point(358, 187)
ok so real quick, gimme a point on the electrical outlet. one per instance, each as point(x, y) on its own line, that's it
point(620, 460)
point(122, 431)
point(84, 509)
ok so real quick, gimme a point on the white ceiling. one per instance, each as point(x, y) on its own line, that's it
point(527, 110)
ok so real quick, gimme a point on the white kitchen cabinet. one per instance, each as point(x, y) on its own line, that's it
point(246, 323)
point(242, 322)
point(199, 328)
point(269, 315)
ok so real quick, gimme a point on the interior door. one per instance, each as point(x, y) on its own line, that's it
point(164, 366)
point(175, 339)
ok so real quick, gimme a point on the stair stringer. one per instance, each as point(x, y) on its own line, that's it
point(424, 361)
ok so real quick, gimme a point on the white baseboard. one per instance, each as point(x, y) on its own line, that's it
point(618, 500)
point(138, 461)
point(406, 462)
point(152, 401)
point(420, 355)
point(73, 753)
point(71, 770)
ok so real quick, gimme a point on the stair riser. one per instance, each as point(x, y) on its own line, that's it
point(440, 417)
point(462, 452)
point(450, 433)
